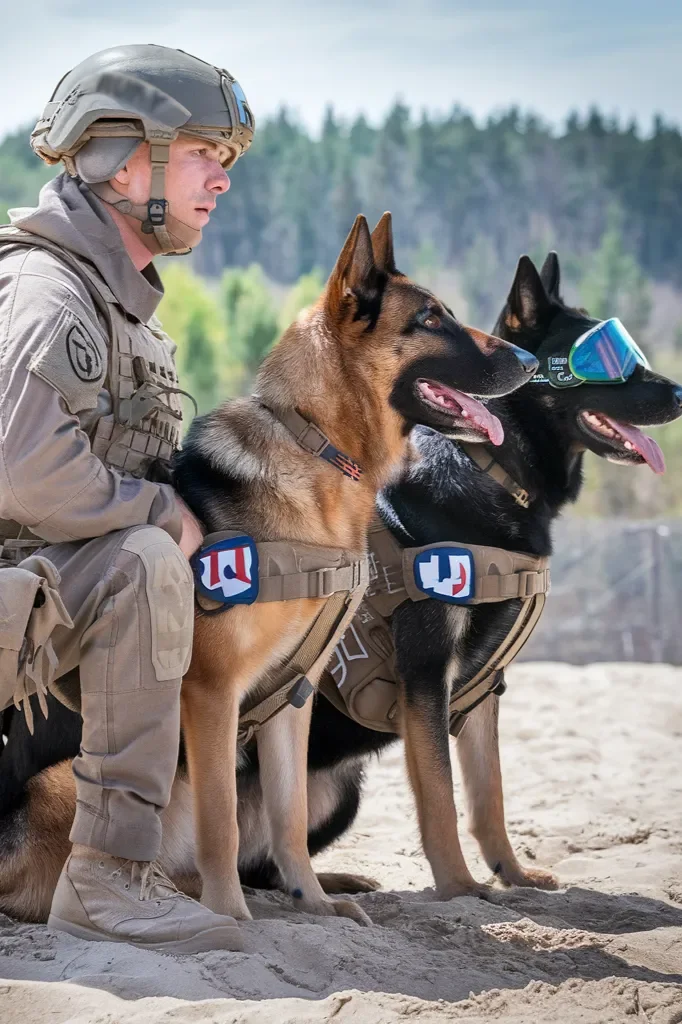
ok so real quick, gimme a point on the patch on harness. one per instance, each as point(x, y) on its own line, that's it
point(446, 573)
point(227, 571)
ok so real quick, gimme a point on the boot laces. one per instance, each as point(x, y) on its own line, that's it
point(154, 883)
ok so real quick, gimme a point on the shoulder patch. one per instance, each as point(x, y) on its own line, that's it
point(227, 571)
point(446, 573)
point(73, 361)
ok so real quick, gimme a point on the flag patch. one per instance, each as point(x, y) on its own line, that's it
point(446, 573)
point(227, 571)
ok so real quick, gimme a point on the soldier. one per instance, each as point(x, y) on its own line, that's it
point(90, 410)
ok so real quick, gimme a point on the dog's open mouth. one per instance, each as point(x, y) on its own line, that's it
point(624, 438)
point(455, 405)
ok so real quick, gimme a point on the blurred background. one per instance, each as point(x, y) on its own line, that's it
point(488, 129)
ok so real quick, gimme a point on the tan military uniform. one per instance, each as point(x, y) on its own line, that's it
point(88, 401)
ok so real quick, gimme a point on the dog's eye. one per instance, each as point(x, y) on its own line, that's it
point(431, 321)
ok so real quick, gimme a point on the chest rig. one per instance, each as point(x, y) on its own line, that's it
point(361, 680)
point(144, 421)
point(232, 568)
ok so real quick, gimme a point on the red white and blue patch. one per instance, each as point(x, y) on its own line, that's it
point(446, 574)
point(227, 571)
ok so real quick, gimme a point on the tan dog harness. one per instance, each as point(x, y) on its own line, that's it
point(361, 680)
point(246, 571)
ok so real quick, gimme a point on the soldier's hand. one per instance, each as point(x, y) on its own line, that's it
point(192, 534)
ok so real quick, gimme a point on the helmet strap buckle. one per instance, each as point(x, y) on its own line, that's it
point(156, 215)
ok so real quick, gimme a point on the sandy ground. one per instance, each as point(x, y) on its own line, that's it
point(592, 764)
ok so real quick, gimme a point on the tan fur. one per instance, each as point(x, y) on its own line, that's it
point(340, 376)
point(479, 757)
point(28, 875)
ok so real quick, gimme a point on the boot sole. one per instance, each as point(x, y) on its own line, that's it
point(222, 937)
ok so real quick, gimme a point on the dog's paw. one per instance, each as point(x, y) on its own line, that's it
point(530, 878)
point(347, 908)
point(334, 908)
point(337, 882)
point(466, 888)
point(225, 904)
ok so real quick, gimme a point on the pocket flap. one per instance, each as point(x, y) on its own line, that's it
point(18, 589)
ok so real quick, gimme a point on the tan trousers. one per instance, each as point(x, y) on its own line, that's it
point(130, 595)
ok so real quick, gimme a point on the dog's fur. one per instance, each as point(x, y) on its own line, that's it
point(352, 365)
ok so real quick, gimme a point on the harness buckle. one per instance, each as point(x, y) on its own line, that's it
point(299, 692)
point(521, 497)
point(325, 582)
point(528, 583)
point(312, 439)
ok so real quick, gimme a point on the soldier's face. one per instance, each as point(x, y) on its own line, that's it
point(195, 178)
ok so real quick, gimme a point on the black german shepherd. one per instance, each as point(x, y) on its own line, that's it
point(442, 497)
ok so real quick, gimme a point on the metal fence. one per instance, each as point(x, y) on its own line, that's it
point(616, 593)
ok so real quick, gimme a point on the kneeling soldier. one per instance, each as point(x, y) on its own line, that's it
point(96, 587)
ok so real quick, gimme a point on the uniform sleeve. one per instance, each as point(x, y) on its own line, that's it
point(53, 363)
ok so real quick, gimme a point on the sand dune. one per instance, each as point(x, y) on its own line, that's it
point(592, 760)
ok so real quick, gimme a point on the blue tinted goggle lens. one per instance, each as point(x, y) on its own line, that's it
point(606, 353)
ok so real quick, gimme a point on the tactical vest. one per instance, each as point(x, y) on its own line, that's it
point(361, 680)
point(145, 421)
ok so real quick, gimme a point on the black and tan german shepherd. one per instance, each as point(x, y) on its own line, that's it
point(375, 356)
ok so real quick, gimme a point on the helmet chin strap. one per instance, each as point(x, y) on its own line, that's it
point(165, 233)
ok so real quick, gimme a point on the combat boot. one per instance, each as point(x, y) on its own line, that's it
point(114, 900)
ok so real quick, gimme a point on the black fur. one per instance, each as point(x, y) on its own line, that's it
point(442, 497)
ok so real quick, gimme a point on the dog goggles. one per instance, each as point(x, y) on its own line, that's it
point(606, 354)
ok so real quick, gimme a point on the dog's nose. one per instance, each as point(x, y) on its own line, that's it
point(677, 394)
point(527, 359)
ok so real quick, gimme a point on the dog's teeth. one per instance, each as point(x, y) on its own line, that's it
point(465, 414)
point(630, 446)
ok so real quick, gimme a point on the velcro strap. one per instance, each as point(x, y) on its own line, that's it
point(523, 584)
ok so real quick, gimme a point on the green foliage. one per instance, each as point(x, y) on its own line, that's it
point(22, 174)
point(613, 284)
point(250, 317)
point(191, 315)
point(305, 292)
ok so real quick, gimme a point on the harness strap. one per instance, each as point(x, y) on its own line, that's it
point(501, 575)
point(490, 679)
point(311, 439)
point(484, 460)
point(308, 660)
point(282, 578)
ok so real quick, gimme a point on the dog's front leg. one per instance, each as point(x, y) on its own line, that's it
point(283, 756)
point(478, 751)
point(210, 713)
point(424, 718)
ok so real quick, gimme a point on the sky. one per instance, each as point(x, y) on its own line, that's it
point(548, 56)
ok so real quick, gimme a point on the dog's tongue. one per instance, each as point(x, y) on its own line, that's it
point(478, 414)
point(646, 446)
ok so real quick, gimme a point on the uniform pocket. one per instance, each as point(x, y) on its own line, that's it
point(30, 610)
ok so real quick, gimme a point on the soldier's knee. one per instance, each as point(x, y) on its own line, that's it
point(169, 590)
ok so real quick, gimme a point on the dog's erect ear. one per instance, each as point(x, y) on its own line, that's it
point(528, 304)
point(382, 243)
point(354, 281)
point(550, 275)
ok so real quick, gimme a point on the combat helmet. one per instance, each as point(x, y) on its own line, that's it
point(106, 106)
